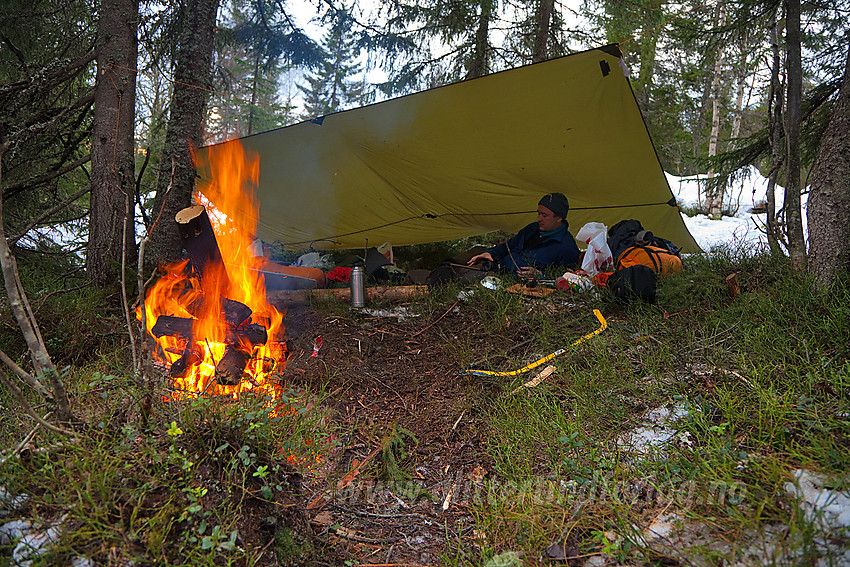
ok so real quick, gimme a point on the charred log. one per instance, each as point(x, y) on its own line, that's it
point(191, 355)
point(181, 327)
point(198, 238)
point(230, 368)
point(173, 327)
point(233, 312)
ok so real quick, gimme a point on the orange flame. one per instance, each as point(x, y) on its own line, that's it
point(230, 202)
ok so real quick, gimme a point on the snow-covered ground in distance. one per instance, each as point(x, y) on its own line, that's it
point(743, 231)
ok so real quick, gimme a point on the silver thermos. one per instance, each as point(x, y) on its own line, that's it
point(358, 291)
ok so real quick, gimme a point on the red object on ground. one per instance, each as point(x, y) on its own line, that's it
point(339, 274)
point(317, 344)
point(601, 279)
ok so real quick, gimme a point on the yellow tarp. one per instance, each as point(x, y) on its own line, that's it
point(466, 159)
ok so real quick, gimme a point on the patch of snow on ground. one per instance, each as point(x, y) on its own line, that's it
point(830, 509)
point(741, 231)
point(658, 429)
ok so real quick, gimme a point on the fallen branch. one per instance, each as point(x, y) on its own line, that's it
point(19, 395)
point(348, 533)
point(387, 293)
point(26, 320)
point(24, 375)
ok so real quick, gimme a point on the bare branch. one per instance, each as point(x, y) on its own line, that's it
point(23, 313)
point(141, 267)
point(24, 375)
point(28, 408)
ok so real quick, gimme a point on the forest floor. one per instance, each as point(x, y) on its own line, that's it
point(394, 374)
point(704, 430)
point(396, 378)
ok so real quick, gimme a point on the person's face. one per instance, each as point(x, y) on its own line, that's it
point(547, 220)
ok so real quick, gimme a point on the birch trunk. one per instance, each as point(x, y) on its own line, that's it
point(713, 193)
point(793, 118)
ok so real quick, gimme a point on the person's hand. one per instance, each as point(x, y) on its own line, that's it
point(479, 257)
point(528, 273)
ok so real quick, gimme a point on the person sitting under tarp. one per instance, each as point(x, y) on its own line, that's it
point(547, 242)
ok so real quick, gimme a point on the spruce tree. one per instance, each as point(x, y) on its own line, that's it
point(338, 83)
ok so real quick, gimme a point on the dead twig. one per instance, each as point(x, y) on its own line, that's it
point(27, 438)
point(458, 419)
point(390, 388)
point(371, 514)
point(419, 332)
point(24, 375)
point(321, 501)
point(124, 303)
point(347, 533)
point(738, 376)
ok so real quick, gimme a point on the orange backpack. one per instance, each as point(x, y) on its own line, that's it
point(660, 260)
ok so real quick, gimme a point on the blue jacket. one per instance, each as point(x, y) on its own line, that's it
point(558, 249)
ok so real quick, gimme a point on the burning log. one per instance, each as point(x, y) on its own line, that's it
point(191, 356)
point(229, 369)
point(198, 238)
point(182, 327)
point(173, 327)
point(233, 312)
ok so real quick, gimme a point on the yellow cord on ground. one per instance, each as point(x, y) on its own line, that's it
point(603, 324)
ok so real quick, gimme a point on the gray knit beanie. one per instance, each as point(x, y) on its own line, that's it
point(557, 203)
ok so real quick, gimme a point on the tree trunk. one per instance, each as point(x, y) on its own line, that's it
point(774, 108)
point(192, 71)
point(740, 87)
point(541, 34)
point(793, 117)
point(829, 199)
point(112, 157)
point(648, 44)
point(254, 83)
point(714, 193)
point(478, 65)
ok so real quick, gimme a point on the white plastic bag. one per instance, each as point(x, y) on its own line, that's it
point(314, 260)
point(598, 256)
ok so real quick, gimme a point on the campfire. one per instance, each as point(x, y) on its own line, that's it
point(214, 328)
